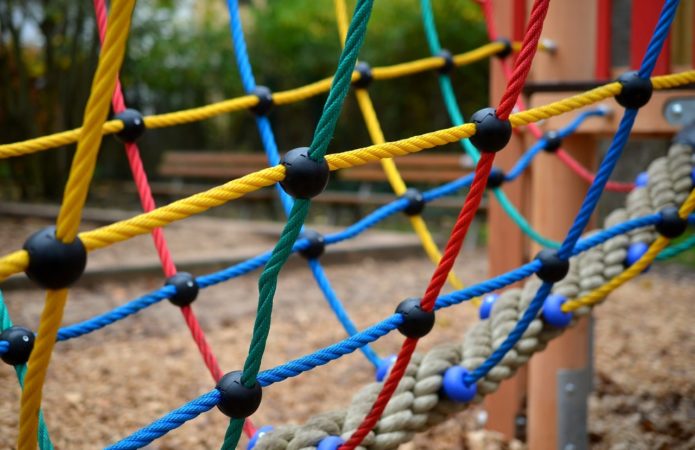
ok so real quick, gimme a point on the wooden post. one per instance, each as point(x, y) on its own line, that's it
point(557, 194)
point(507, 247)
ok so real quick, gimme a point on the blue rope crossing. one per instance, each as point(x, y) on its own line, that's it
point(590, 200)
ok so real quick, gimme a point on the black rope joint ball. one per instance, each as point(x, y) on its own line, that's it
point(236, 400)
point(448, 58)
point(21, 342)
point(366, 75)
point(553, 268)
point(636, 91)
point(553, 141)
point(671, 224)
point(491, 134)
point(416, 322)
point(54, 264)
point(506, 50)
point(496, 179)
point(133, 125)
point(265, 101)
point(304, 177)
point(186, 288)
point(416, 202)
point(317, 244)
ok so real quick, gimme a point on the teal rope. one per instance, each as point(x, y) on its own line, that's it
point(677, 249)
point(452, 107)
point(21, 370)
point(267, 283)
point(342, 80)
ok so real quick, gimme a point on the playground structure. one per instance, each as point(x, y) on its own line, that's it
point(650, 204)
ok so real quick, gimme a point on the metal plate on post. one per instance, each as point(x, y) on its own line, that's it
point(573, 389)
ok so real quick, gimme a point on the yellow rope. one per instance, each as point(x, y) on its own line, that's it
point(637, 268)
point(144, 223)
point(377, 136)
point(70, 214)
point(247, 101)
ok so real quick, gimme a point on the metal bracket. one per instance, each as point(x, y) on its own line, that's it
point(680, 111)
point(573, 389)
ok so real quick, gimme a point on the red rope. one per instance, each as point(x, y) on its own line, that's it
point(148, 204)
point(463, 222)
point(565, 157)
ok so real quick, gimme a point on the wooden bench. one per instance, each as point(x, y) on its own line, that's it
point(187, 170)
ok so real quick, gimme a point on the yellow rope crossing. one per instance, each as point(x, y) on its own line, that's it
point(70, 214)
point(637, 268)
point(248, 101)
point(163, 216)
point(389, 166)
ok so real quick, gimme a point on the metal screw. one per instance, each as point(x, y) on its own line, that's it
point(570, 388)
point(569, 447)
point(677, 109)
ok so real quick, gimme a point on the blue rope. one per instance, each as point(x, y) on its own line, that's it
point(526, 159)
point(338, 308)
point(4, 347)
point(271, 150)
point(170, 421)
point(590, 200)
point(325, 355)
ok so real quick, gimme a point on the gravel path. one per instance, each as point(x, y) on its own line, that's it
point(105, 385)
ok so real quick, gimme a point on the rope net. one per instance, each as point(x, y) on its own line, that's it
point(410, 399)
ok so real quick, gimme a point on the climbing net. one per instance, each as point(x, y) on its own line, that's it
point(412, 391)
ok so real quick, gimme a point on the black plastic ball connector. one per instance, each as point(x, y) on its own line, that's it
point(317, 244)
point(52, 263)
point(366, 75)
point(265, 101)
point(21, 342)
point(636, 91)
point(491, 134)
point(304, 177)
point(671, 224)
point(186, 288)
point(236, 400)
point(507, 50)
point(448, 58)
point(416, 202)
point(416, 322)
point(496, 179)
point(553, 141)
point(133, 125)
point(553, 268)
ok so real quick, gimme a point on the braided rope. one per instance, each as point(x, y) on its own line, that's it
point(418, 404)
point(69, 217)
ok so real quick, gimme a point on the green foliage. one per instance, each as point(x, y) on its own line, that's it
point(180, 56)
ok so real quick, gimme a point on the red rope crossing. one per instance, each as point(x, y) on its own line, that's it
point(458, 234)
point(565, 157)
point(148, 204)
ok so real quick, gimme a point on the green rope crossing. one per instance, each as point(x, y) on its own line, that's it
point(267, 282)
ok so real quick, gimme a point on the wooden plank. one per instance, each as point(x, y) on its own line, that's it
point(421, 176)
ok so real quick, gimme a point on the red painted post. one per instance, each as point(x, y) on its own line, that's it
point(604, 33)
point(644, 16)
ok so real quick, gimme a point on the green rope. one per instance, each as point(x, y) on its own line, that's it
point(456, 117)
point(677, 248)
point(267, 282)
point(21, 370)
point(342, 80)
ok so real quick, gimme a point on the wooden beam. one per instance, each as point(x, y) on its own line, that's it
point(507, 245)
